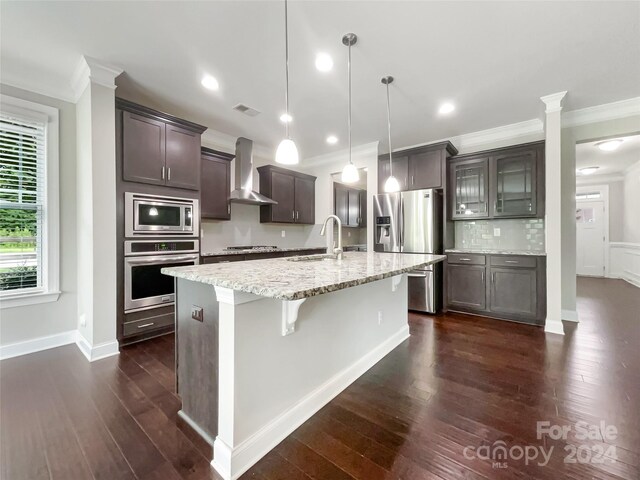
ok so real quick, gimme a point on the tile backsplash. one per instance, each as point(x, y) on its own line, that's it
point(505, 234)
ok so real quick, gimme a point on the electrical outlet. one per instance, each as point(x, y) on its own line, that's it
point(83, 320)
point(496, 232)
point(348, 234)
point(284, 234)
point(380, 317)
point(197, 313)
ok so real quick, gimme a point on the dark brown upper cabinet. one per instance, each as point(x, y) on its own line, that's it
point(470, 187)
point(157, 148)
point(502, 183)
point(350, 205)
point(417, 168)
point(215, 180)
point(295, 193)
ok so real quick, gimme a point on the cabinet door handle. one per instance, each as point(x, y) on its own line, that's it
point(293, 214)
point(493, 277)
point(146, 325)
point(465, 259)
point(411, 179)
point(511, 261)
point(297, 214)
point(162, 174)
point(169, 173)
point(229, 209)
point(483, 276)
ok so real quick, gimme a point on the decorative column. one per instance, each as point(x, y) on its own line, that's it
point(94, 88)
point(553, 217)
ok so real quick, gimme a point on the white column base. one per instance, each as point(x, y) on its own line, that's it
point(99, 351)
point(554, 326)
point(570, 316)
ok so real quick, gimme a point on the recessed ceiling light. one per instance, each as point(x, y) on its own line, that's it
point(588, 170)
point(210, 83)
point(446, 108)
point(286, 118)
point(332, 139)
point(324, 62)
point(609, 145)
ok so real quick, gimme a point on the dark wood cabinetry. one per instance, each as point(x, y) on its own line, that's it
point(215, 179)
point(159, 149)
point(294, 191)
point(417, 168)
point(502, 183)
point(509, 287)
point(350, 205)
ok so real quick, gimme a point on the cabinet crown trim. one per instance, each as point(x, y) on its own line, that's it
point(210, 152)
point(494, 151)
point(275, 168)
point(128, 106)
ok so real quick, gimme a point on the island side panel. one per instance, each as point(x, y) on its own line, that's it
point(280, 381)
point(197, 357)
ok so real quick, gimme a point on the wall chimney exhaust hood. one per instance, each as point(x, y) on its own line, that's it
point(244, 192)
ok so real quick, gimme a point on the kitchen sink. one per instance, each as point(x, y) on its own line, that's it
point(311, 258)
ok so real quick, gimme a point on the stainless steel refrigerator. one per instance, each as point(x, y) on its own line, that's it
point(411, 222)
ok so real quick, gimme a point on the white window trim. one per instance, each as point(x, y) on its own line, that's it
point(50, 291)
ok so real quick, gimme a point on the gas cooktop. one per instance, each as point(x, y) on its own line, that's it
point(252, 247)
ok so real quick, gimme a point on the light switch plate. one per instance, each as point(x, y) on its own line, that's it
point(197, 313)
point(283, 233)
point(496, 232)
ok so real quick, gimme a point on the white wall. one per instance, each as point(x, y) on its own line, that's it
point(631, 192)
point(20, 324)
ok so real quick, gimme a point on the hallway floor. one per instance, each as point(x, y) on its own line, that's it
point(459, 383)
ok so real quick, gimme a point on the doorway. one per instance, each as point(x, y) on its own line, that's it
point(590, 234)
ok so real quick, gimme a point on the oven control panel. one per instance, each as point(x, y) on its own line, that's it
point(148, 247)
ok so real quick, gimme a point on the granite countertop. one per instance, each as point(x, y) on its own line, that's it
point(285, 279)
point(215, 253)
point(496, 252)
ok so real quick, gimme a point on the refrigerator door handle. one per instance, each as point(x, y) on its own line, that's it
point(401, 223)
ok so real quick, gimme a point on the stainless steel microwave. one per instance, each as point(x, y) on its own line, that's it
point(146, 215)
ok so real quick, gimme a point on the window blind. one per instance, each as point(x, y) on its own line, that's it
point(22, 202)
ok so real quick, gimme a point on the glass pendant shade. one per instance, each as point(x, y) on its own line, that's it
point(287, 153)
point(350, 173)
point(392, 185)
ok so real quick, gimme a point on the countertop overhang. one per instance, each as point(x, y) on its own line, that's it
point(284, 279)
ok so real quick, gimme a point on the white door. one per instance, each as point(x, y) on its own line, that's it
point(590, 238)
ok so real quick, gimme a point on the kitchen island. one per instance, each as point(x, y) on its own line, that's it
point(262, 345)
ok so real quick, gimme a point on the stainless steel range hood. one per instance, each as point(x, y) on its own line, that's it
point(244, 192)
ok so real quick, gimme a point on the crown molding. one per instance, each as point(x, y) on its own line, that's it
point(602, 113)
point(598, 179)
point(37, 89)
point(553, 101)
point(91, 70)
point(365, 149)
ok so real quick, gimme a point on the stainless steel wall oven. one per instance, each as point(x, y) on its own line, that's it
point(144, 285)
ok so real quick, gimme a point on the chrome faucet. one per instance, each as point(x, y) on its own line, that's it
point(337, 250)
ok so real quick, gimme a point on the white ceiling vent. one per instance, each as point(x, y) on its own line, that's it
point(242, 108)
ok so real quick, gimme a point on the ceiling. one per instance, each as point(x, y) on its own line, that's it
point(608, 163)
point(492, 59)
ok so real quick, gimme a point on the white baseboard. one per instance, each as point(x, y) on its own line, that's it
point(37, 344)
point(231, 463)
point(554, 326)
point(96, 352)
point(569, 315)
point(625, 262)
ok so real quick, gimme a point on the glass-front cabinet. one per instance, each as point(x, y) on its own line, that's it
point(470, 187)
point(514, 192)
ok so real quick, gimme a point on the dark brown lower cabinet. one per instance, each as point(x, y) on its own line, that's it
point(507, 287)
point(467, 287)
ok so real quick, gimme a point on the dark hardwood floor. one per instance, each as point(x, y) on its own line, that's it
point(459, 381)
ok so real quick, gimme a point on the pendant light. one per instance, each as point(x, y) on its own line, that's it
point(391, 185)
point(287, 152)
point(350, 173)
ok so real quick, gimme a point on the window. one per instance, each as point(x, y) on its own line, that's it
point(28, 203)
point(587, 196)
